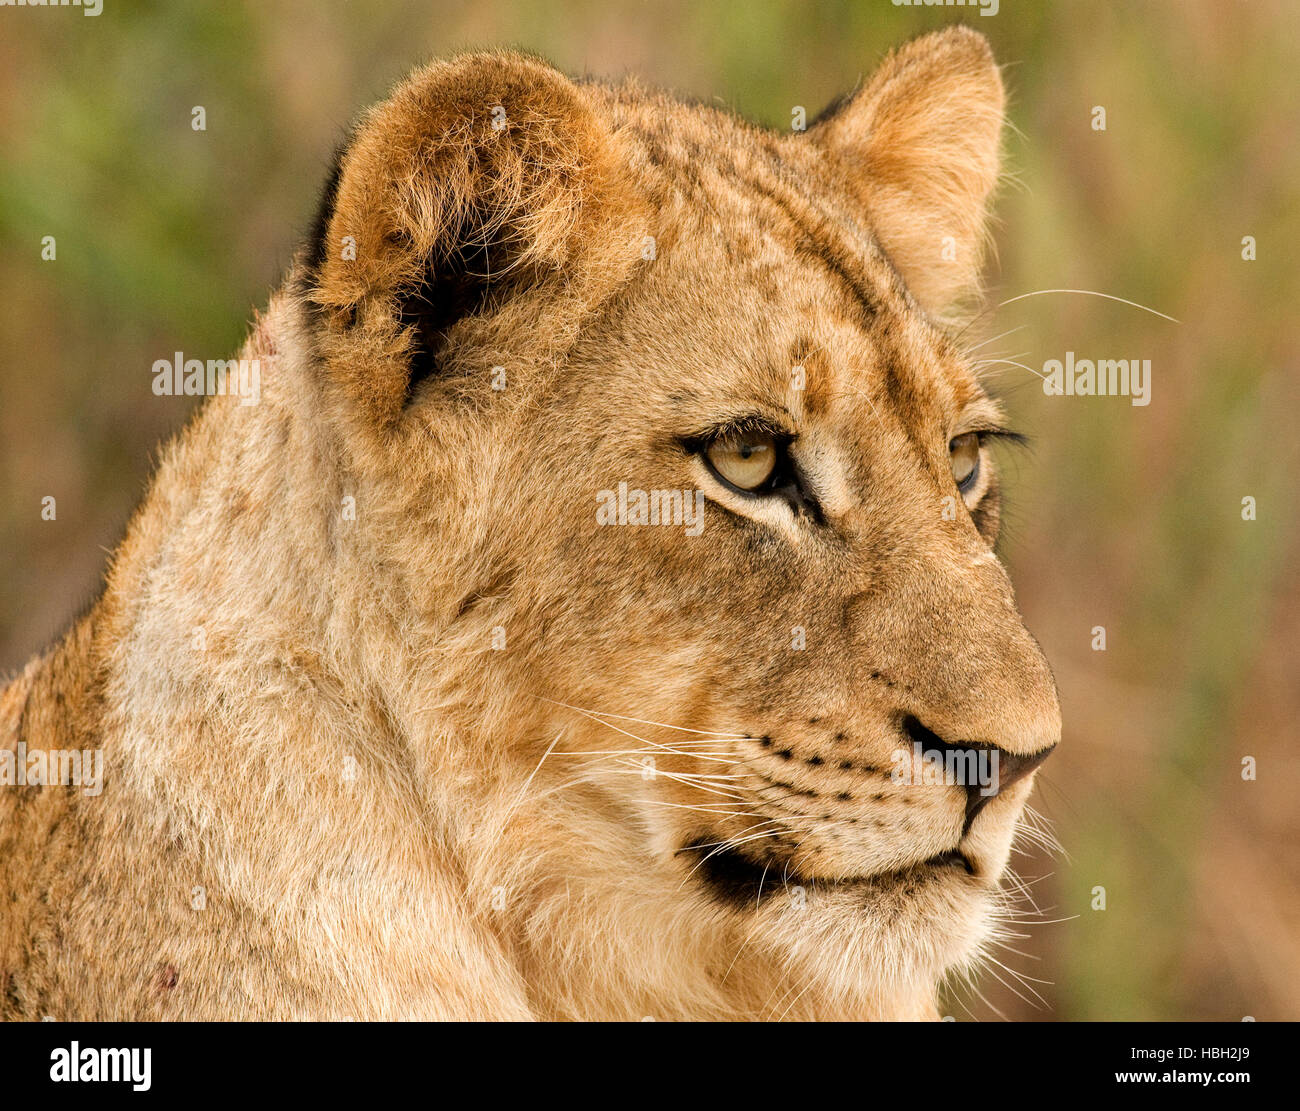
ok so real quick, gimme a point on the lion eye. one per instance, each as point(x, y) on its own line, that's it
point(964, 454)
point(744, 459)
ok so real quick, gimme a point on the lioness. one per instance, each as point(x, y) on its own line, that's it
point(567, 628)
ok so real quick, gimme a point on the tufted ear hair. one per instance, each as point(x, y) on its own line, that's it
point(477, 181)
point(921, 144)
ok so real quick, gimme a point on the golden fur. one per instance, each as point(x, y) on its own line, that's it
point(393, 728)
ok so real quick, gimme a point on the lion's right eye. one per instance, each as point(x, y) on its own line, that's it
point(745, 460)
point(964, 452)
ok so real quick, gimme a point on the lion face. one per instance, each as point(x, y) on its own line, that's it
point(716, 486)
point(778, 668)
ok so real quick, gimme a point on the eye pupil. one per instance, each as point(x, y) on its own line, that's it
point(745, 460)
point(964, 453)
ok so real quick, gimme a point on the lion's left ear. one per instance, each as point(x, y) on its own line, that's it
point(921, 144)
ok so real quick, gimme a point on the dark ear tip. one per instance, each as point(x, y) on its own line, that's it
point(318, 240)
point(833, 109)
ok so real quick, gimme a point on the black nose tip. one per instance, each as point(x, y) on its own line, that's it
point(1001, 769)
point(1011, 768)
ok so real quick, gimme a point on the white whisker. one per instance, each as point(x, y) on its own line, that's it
point(1089, 293)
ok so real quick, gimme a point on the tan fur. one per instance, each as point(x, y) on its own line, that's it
point(387, 779)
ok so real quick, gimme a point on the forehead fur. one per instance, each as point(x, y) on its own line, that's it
point(492, 181)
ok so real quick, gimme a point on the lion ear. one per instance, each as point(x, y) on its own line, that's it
point(478, 180)
point(920, 142)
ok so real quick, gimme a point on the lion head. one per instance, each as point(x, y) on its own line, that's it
point(675, 525)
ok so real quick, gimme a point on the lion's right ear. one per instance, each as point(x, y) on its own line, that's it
point(921, 143)
point(477, 180)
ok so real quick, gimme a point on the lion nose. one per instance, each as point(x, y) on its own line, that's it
point(1005, 768)
point(1011, 768)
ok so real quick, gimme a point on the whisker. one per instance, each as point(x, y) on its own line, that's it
point(1022, 977)
point(1089, 293)
point(645, 721)
point(701, 809)
point(732, 843)
point(620, 752)
point(796, 999)
point(994, 357)
point(528, 782)
point(646, 740)
point(720, 791)
point(991, 339)
point(1012, 362)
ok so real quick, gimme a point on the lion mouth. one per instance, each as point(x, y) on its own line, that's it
point(735, 878)
point(950, 858)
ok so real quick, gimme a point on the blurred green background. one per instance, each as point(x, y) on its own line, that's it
point(1120, 516)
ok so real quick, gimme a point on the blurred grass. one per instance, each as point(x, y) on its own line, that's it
point(1122, 516)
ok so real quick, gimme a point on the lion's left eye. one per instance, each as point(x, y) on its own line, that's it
point(964, 454)
point(746, 460)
